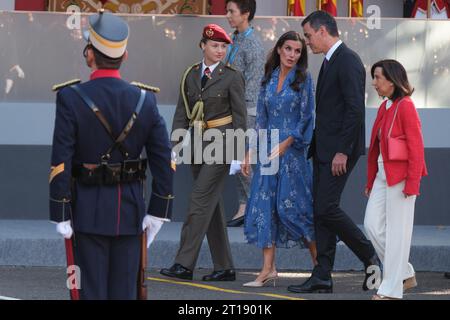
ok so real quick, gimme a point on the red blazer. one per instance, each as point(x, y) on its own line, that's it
point(407, 123)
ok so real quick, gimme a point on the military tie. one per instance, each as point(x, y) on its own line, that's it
point(206, 76)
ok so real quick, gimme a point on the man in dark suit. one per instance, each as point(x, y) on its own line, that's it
point(97, 176)
point(337, 144)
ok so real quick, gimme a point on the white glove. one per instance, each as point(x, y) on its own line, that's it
point(65, 229)
point(152, 224)
point(235, 167)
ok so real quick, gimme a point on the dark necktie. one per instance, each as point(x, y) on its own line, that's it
point(325, 64)
point(206, 75)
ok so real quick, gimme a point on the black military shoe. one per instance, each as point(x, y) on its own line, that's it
point(177, 271)
point(222, 275)
point(375, 263)
point(313, 285)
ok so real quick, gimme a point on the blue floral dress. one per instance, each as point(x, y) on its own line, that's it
point(280, 211)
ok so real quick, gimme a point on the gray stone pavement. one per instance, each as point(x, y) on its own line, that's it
point(47, 283)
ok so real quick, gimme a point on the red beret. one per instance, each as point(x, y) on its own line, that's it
point(216, 33)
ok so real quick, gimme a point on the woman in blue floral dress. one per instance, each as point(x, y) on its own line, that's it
point(279, 212)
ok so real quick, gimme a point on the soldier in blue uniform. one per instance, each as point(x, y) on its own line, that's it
point(97, 176)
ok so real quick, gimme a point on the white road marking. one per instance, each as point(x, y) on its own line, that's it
point(7, 298)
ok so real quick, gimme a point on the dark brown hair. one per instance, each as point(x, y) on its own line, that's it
point(245, 6)
point(394, 72)
point(102, 61)
point(273, 60)
point(205, 40)
point(320, 18)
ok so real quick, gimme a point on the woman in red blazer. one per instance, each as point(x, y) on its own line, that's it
point(392, 185)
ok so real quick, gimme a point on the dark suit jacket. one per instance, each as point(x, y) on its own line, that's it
point(340, 107)
point(223, 95)
point(79, 138)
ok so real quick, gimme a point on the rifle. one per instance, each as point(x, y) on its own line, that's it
point(141, 285)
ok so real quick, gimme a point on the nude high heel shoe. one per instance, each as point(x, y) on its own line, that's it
point(273, 276)
point(381, 297)
point(409, 283)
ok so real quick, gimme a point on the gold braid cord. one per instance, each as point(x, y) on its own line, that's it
point(196, 116)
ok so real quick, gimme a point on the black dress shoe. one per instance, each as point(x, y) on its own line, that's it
point(177, 271)
point(447, 275)
point(375, 263)
point(238, 222)
point(313, 285)
point(222, 275)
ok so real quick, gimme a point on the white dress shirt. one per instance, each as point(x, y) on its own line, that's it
point(333, 49)
point(211, 67)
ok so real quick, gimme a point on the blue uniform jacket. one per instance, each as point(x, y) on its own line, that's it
point(79, 137)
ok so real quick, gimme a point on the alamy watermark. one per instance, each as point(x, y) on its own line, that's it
point(73, 277)
point(374, 19)
point(214, 146)
point(73, 22)
point(374, 280)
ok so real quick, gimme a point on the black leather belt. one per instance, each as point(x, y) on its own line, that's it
point(110, 173)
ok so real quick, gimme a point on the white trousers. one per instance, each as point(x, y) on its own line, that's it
point(389, 224)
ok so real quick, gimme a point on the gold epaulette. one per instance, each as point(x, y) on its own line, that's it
point(56, 87)
point(229, 66)
point(145, 87)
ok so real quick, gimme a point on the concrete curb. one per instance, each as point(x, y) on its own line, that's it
point(35, 243)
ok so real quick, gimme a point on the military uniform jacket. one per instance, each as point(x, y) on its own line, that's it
point(80, 138)
point(223, 95)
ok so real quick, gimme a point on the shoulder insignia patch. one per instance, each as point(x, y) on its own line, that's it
point(229, 66)
point(145, 87)
point(197, 65)
point(56, 87)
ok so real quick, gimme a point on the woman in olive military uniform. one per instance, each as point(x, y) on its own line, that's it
point(212, 96)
